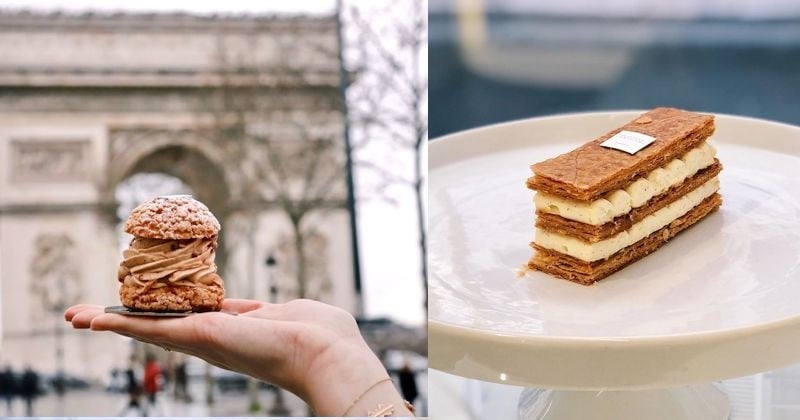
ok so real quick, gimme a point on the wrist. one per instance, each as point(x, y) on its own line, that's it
point(340, 376)
point(380, 400)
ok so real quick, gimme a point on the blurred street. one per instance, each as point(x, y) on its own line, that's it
point(229, 401)
point(96, 402)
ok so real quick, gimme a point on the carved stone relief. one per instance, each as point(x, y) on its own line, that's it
point(50, 161)
point(55, 275)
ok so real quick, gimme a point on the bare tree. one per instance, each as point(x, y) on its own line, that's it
point(297, 166)
point(388, 101)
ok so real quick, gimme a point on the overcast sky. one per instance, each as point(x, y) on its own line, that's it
point(389, 251)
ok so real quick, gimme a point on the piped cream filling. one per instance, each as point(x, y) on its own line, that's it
point(639, 192)
point(151, 263)
point(586, 251)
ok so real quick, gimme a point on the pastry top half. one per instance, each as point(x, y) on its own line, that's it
point(591, 171)
point(172, 217)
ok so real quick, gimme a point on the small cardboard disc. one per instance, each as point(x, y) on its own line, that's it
point(122, 310)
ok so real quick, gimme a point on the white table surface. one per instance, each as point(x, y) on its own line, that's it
point(773, 395)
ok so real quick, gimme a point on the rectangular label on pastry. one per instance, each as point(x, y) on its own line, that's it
point(629, 142)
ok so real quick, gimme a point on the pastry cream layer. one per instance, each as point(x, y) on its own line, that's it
point(153, 263)
point(597, 251)
point(639, 192)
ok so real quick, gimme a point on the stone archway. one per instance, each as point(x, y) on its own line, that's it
point(138, 149)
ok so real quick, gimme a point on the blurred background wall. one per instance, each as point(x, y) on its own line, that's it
point(497, 60)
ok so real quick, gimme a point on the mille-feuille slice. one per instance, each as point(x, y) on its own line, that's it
point(599, 209)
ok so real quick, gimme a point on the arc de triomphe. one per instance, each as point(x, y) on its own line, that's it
point(86, 101)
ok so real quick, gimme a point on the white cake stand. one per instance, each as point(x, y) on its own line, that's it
point(720, 300)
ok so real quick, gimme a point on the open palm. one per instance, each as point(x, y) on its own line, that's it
point(303, 346)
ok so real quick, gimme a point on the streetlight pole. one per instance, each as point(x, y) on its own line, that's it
point(344, 83)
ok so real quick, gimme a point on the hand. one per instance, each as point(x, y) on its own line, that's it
point(309, 348)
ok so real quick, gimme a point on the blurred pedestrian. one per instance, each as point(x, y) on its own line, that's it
point(115, 381)
point(408, 381)
point(181, 380)
point(152, 381)
point(29, 389)
point(8, 388)
point(134, 390)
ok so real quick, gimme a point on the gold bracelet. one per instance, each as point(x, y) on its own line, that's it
point(353, 404)
point(382, 411)
point(410, 407)
point(388, 410)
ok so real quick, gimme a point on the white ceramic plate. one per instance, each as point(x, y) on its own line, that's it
point(720, 300)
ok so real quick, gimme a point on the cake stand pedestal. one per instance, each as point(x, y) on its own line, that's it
point(718, 301)
point(705, 402)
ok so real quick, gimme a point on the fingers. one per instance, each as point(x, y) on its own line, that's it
point(208, 329)
point(151, 329)
point(83, 318)
point(214, 331)
point(170, 334)
point(73, 310)
point(240, 305)
point(274, 312)
point(83, 315)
